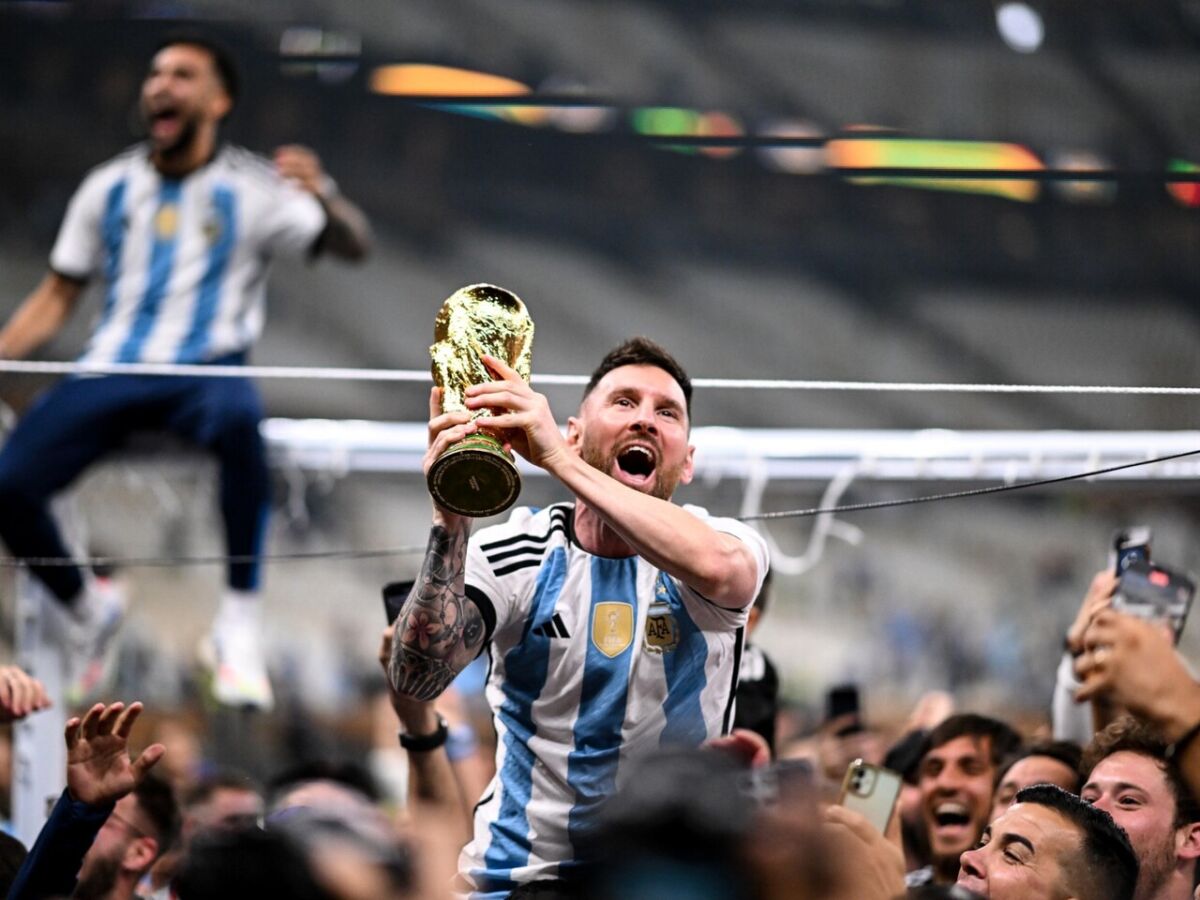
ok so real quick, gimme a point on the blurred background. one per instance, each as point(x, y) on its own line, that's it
point(748, 259)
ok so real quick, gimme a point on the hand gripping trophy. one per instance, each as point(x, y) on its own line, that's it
point(477, 476)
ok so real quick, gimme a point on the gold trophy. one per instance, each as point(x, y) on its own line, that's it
point(477, 476)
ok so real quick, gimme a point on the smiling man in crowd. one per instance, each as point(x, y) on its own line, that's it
point(957, 780)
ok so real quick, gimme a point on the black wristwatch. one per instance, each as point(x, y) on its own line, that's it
point(421, 743)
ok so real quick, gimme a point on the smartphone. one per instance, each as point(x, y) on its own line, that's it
point(394, 595)
point(870, 791)
point(843, 701)
point(1129, 545)
point(1154, 592)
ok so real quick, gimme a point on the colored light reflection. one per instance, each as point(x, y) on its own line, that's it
point(1185, 193)
point(907, 153)
point(448, 82)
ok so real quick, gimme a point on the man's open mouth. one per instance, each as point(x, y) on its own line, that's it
point(951, 815)
point(165, 120)
point(637, 461)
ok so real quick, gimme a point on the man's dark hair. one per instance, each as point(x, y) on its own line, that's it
point(246, 865)
point(1109, 867)
point(641, 351)
point(347, 774)
point(1066, 752)
point(763, 600)
point(156, 799)
point(223, 62)
point(1003, 741)
point(1128, 735)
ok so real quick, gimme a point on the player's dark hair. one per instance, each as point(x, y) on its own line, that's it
point(1109, 867)
point(641, 351)
point(1003, 741)
point(1128, 735)
point(223, 61)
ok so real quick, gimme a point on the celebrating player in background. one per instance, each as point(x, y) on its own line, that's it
point(182, 230)
point(615, 622)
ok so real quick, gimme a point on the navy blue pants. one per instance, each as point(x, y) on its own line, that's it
point(80, 419)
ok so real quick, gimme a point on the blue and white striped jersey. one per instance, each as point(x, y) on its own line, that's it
point(595, 661)
point(184, 261)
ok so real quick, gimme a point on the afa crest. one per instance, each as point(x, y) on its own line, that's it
point(662, 629)
point(612, 627)
point(166, 221)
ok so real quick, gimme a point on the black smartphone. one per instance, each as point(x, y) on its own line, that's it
point(394, 595)
point(1129, 545)
point(843, 700)
point(1153, 592)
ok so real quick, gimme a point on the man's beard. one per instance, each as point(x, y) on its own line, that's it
point(99, 881)
point(604, 458)
point(182, 142)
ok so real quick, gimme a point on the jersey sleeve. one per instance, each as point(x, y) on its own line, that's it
point(710, 613)
point(294, 221)
point(77, 249)
point(498, 588)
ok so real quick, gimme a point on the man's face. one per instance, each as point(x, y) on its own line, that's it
point(956, 796)
point(1023, 855)
point(182, 93)
point(634, 427)
point(1030, 771)
point(122, 846)
point(1133, 789)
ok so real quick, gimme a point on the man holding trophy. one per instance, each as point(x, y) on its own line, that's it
point(614, 621)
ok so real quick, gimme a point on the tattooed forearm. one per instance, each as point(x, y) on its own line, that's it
point(438, 630)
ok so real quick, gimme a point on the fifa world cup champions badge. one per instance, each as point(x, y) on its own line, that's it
point(476, 476)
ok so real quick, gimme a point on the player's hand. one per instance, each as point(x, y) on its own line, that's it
point(20, 694)
point(1099, 597)
point(99, 769)
point(445, 429)
point(303, 166)
point(522, 419)
point(1133, 663)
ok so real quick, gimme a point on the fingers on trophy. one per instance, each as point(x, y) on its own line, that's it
point(476, 476)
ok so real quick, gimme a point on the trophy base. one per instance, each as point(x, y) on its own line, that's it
point(475, 477)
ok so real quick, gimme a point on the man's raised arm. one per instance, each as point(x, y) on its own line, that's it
point(439, 629)
point(40, 317)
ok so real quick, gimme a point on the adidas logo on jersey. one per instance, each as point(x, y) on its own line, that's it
point(553, 629)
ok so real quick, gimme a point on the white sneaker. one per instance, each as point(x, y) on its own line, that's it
point(93, 621)
point(238, 659)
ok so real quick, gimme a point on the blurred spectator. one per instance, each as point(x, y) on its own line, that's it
point(249, 864)
point(957, 779)
point(1054, 762)
point(20, 694)
point(1131, 777)
point(111, 822)
point(12, 855)
point(758, 684)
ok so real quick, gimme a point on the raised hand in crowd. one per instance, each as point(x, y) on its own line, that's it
point(99, 768)
point(746, 746)
point(1098, 598)
point(1133, 663)
point(20, 694)
point(872, 863)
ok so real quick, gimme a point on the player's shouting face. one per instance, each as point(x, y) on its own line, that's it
point(634, 427)
point(181, 97)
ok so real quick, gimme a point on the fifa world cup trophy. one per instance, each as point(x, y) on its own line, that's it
point(477, 476)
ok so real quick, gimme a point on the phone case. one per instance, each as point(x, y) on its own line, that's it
point(870, 791)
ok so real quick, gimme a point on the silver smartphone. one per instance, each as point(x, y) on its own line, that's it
point(870, 791)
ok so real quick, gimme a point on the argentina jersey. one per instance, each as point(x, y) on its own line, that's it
point(595, 661)
point(183, 261)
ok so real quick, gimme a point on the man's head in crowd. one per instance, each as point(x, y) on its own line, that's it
point(956, 778)
point(142, 825)
point(1054, 762)
point(226, 800)
point(1130, 778)
point(1050, 845)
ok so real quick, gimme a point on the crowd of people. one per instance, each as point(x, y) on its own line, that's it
point(635, 751)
